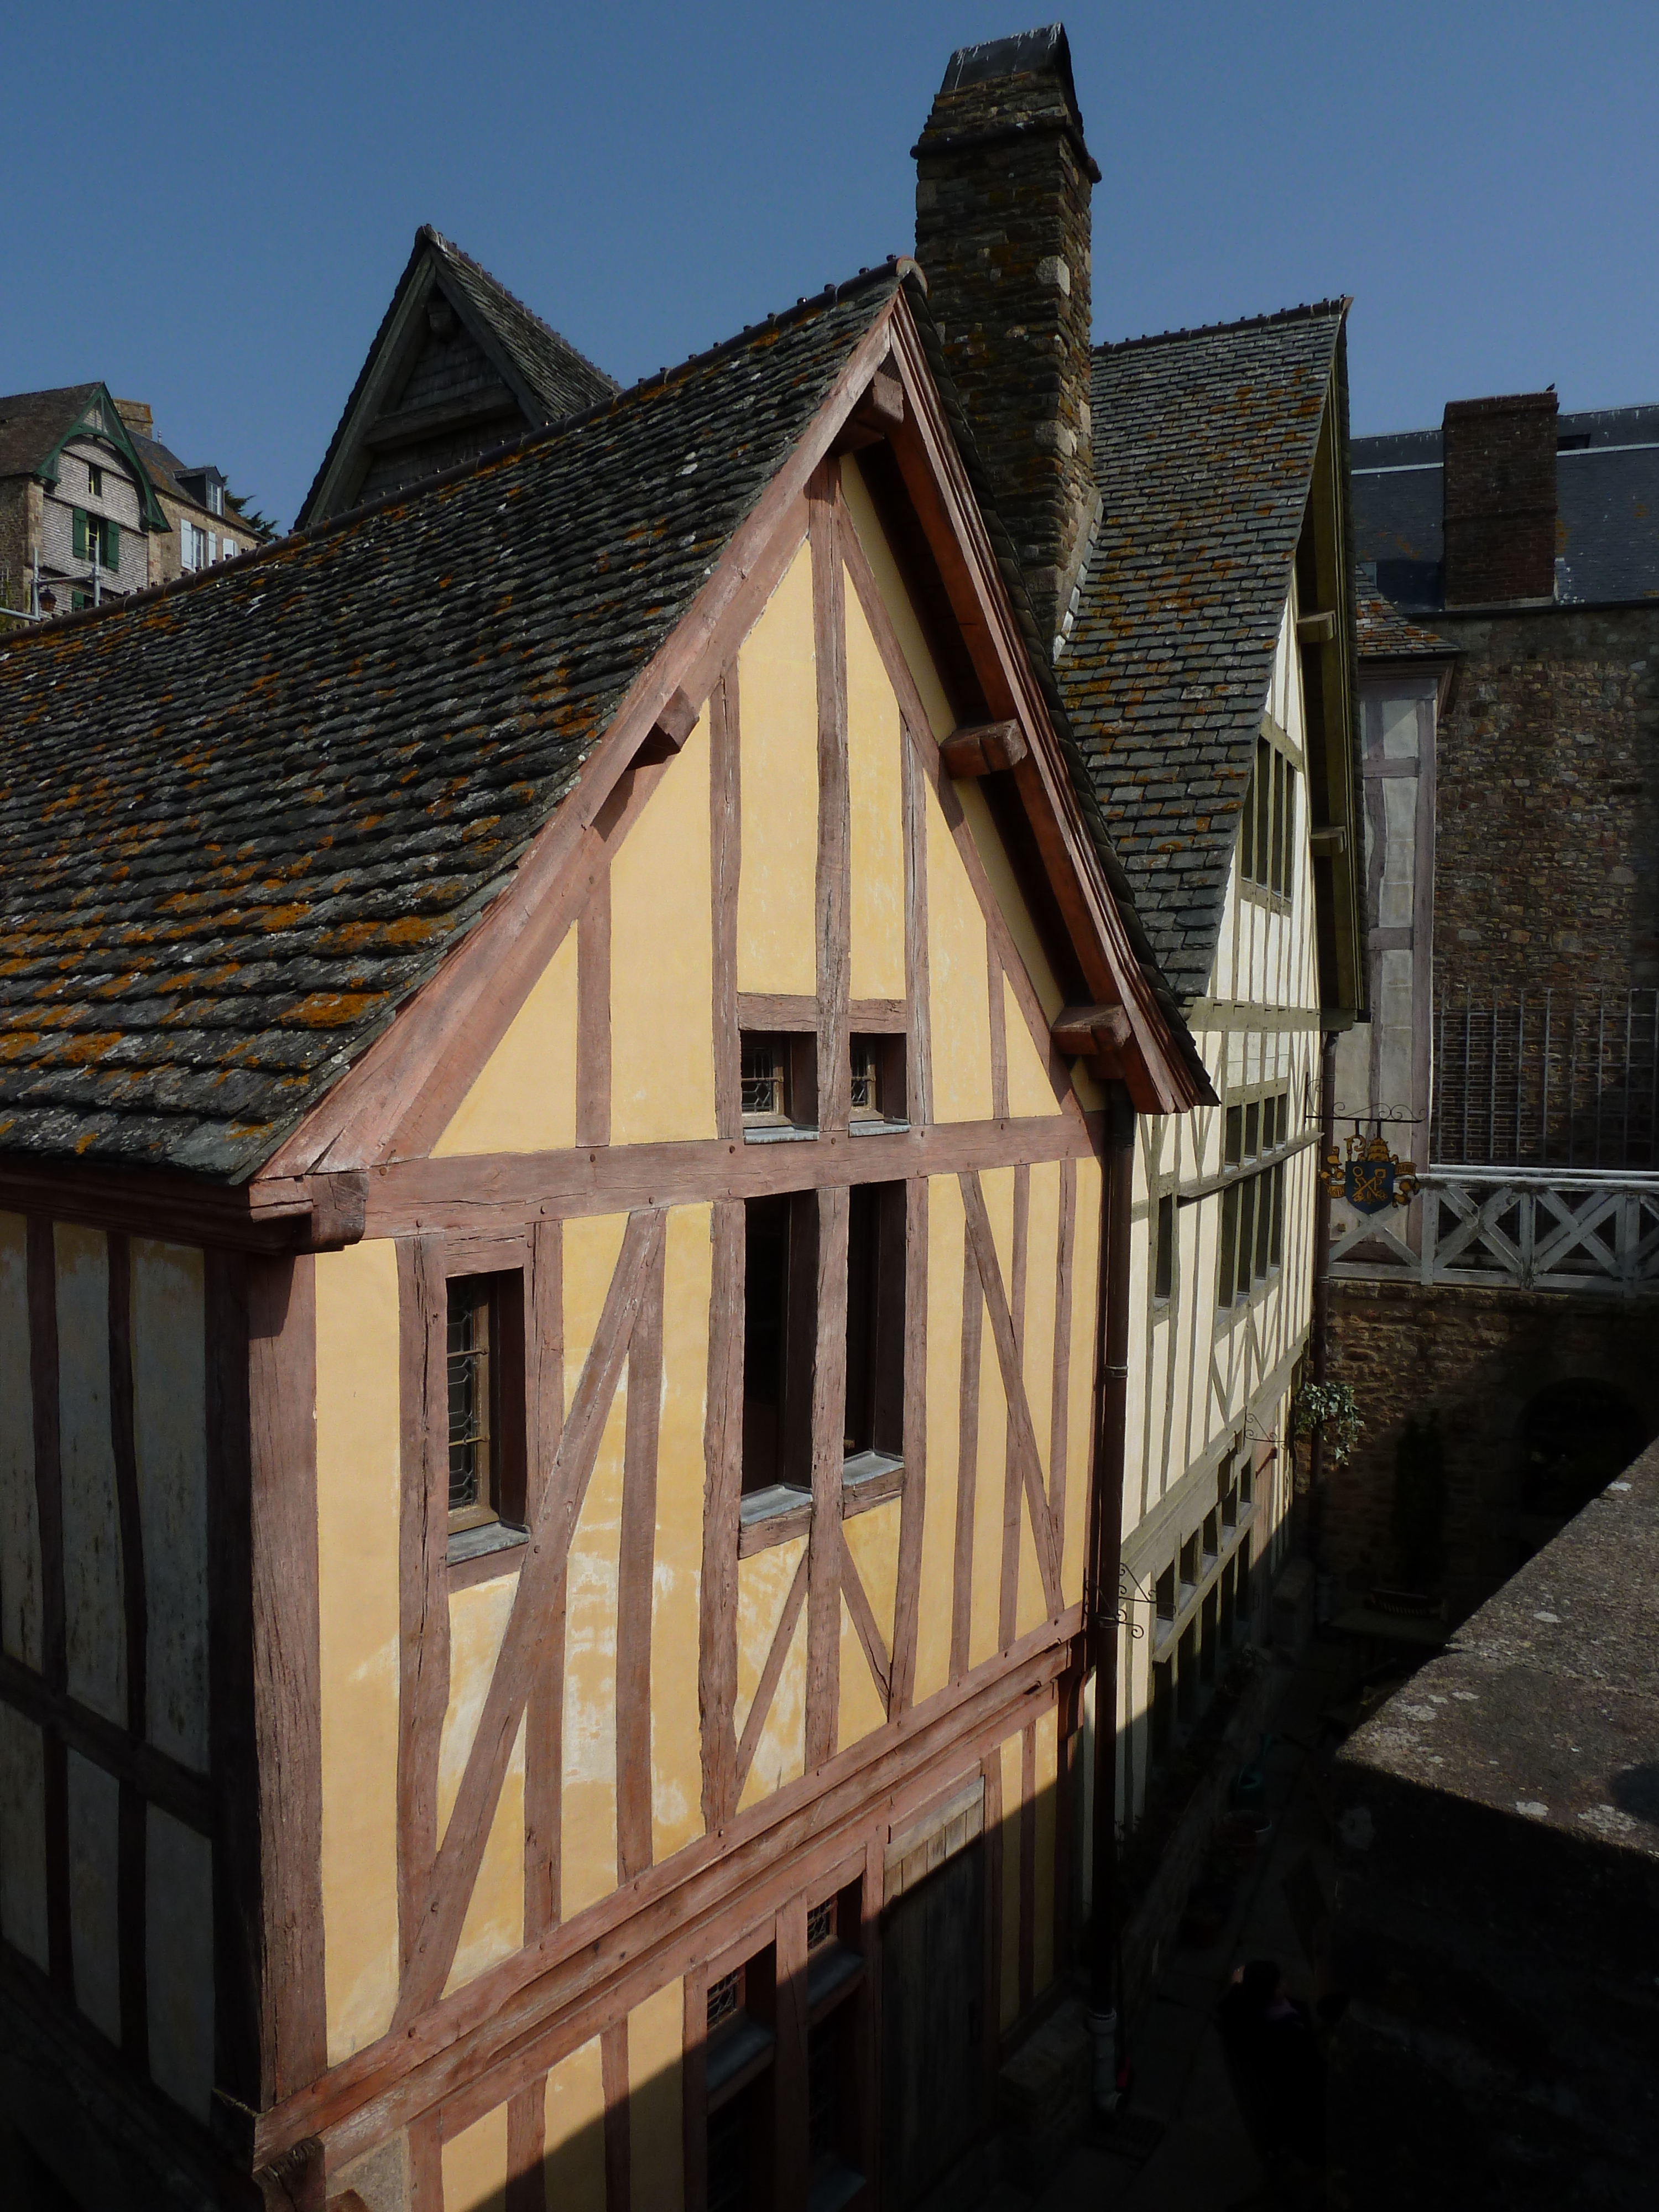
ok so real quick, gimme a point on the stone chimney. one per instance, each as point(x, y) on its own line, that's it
point(1003, 179)
point(135, 413)
point(1498, 492)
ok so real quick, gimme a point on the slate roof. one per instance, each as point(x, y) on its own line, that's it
point(1607, 504)
point(1386, 633)
point(1204, 444)
point(243, 817)
point(33, 423)
point(560, 379)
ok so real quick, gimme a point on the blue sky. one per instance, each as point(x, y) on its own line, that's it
point(209, 204)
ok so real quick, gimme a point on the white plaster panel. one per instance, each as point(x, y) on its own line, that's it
point(178, 1961)
point(1399, 729)
point(20, 1533)
point(23, 1835)
point(93, 1621)
point(94, 1800)
point(170, 1439)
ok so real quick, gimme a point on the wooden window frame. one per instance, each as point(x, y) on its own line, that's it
point(1267, 831)
point(500, 1289)
point(1251, 1245)
point(1163, 1251)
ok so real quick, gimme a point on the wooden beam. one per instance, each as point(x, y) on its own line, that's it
point(524, 1640)
point(593, 1014)
point(1084, 1032)
point(983, 748)
point(793, 1012)
point(1012, 1471)
point(132, 1823)
point(286, 1669)
point(874, 416)
point(544, 1709)
point(1315, 629)
point(766, 1689)
point(833, 903)
point(913, 1503)
point(826, 1543)
point(962, 1572)
point(666, 736)
point(868, 1627)
point(410, 426)
point(423, 1550)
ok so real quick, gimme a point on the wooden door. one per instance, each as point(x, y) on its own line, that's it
point(932, 2028)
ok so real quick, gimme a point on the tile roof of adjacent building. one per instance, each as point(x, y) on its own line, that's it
point(1386, 633)
point(557, 379)
point(1607, 496)
point(244, 818)
point(1204, 442)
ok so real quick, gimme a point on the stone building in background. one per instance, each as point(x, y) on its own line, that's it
point(1509, 686)
point(93, 505)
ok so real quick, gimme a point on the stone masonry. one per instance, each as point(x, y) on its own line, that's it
point(1005, 246)
point(1478, 1357)
point(1546, 849)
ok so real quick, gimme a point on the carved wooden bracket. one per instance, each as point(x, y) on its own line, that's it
point(875, 416)
point(1098, 1035)
point(672, 726)
point(1315, 629)
point(982, 749)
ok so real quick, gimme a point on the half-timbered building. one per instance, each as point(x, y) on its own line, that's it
point(560, 1032)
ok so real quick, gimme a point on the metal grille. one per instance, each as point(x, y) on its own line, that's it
point(821, 1923)
point(724, 1997)
point(1547, 1081)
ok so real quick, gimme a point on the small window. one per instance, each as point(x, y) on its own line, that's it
point(865, 1094)
point(821, 1923)
point(726, 1996)
point(1252, 1131)
point(1189, 1561)
point(875, 1321)
point(1229, 1245)
point(1246, 1480)
point(95, 481)
point(780, 1337)
point(216, 499)
point(1233, 1151)
point(1211, 1546)
point(777, 1078)
point(1207, 1639)
point(486, 1401)
point(739, 2065)
point(1187, 1675)
point(1163, 1261)
point(1163, 1708)
point(1230, 1507)
point(1224, 1625)
point(1164, 1594)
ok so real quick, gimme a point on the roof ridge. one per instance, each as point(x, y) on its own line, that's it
point(430, 232)
point(1306, 313)
point(895, 267)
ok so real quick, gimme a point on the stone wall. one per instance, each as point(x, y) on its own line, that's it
point(1478, 1357)
point(1547, 853)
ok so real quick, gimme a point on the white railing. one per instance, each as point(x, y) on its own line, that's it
point(1535, 1230)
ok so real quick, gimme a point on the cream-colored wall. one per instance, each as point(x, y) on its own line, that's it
point(19, 1531)
point(357, 1519)
point(777, 688)
point(524, 1097)
point(169, 1422)
point(662, 962)
point(94, 1607)
point(574, 2133)
point(494, 1926)
point(475, 2166)
point(762, 1590)
point(1201, 1379)
point(874, 737)
point(655, 2045)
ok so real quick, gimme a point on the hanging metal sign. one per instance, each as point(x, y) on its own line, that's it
point(1370, 1178)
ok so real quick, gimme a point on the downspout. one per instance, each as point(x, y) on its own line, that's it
point(1111, 1407)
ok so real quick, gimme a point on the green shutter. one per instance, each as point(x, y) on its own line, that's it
point(112, 544)
point(80, 535)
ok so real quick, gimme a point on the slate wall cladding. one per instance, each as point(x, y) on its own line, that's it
point(1547, 853)
point(1003, 183)
point(1500, 494)
point(1479, 1357)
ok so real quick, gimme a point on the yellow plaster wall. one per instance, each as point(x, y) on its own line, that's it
point(676, 1721)
point(20, 1532)
point(358, 1428)
point(958, 987)
point(990, 1494)
point(169, 1421)
point(874, 736)
point(1029, 1090)
point(762, 1585)
point(588, 1866)
point(655, 2041)
point(178, 1961)
point(946, 1232)
point(494, 1926)
point(475, 2166)
point(872, 541)
point(777, 688)
point(662, 962)
point(573, 2161)
point(1005, 889)
point(94, 1617)
point(23, 1836)
point(871, 1541)
point(861, 1710)
point(524, 1099)
point(1085, 1268)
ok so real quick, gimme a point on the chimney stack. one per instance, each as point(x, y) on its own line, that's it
point(1497, 486)
point(1003, 179)
point(135, 413)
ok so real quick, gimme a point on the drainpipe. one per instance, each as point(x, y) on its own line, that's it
point(1321, 1282)
point(1111, 1403)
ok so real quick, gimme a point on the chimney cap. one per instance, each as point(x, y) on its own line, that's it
point(1027, 53)
point(1511, 403)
